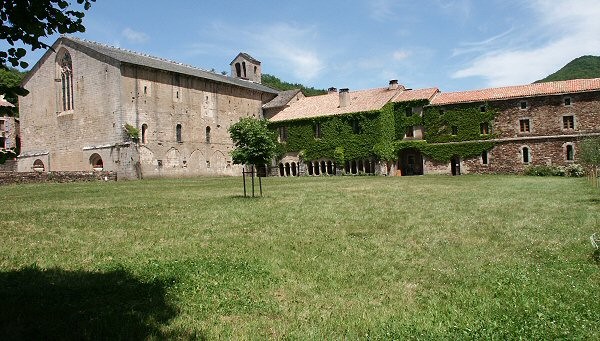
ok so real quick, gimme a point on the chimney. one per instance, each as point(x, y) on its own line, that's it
point(331, 90)
point(344, 97)
point(393, 84)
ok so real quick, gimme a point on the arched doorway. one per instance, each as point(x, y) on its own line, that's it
point(96, 162)
point(411, 162)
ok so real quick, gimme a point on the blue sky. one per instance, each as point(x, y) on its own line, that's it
point(451, 44)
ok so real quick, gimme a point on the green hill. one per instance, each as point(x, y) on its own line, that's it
point(578, 68)
point(278, 84)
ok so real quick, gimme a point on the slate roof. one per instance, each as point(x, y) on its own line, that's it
point(519, 91)
point(415, 95)
point(328, 105)
point(245, 56)
point(136, 58)
point(282, 99)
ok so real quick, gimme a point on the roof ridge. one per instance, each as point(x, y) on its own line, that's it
point(141, 54)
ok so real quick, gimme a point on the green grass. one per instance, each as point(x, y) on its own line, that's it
point(433, 257)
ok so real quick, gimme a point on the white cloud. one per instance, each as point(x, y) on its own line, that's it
point(290, 47)
point(135, 36)
point(400, 55)
point(382, 10)
point(557, 33)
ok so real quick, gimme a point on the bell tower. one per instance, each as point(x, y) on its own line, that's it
point(246, 67)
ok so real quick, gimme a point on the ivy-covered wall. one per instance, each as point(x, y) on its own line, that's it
point(448, 131)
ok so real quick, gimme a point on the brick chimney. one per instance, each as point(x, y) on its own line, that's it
point(393, 84)
point(331, 90)
point(344, 97)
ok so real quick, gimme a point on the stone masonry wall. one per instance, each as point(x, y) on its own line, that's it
point(8, 178)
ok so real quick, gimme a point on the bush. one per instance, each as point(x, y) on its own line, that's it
point(544, 171)
point(575, 170)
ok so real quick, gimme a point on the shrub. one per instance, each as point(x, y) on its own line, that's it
point(543, 170)
point(574, 170)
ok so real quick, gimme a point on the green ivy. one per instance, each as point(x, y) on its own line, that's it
point(382, 132)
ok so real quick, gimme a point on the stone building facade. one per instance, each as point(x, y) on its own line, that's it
point(496, 130)
point(84, 94)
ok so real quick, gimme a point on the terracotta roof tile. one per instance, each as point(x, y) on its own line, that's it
point(519, 91)
point(328, 105)
point(415, 95)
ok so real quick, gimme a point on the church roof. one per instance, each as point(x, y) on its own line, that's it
point(329, 104)
point(518, 91)
point(247, 57)
point(136, 58)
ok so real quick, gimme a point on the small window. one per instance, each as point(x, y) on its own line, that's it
point(96, 162)
point(568, 122)
point(484, 157)
point(523, 105)
point(483, 108)
point(356, 126)
point(484, 128)
point(2, 141)
point(410, 132)
point(38, 166)
point(144, 133)
point(207, 134)
point(178, 133)
point(145, 90)
point(524, 126)
point(317, 130)
point(570, 152)
point(409, 112)
point(526, 156)
point(283, 134)
point(2, 126)
point(442, 112)
point(454, 130)
point(207, 164)
point(567, 101)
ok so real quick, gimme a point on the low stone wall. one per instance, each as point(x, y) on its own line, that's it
point(7, 178)
point(8, 166)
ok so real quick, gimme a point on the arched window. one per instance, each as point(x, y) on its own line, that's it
point(526, 155)
point(178, 133)
point(65, 75)
point(570, 152)
point(144, 131)
point(207, 134)
point(96, 162)
point(38, 165)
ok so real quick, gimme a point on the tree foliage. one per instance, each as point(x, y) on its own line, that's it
point(10, 78)
point(25, 22)
point(589, 152)
point(278, 84)
point(254, 142)
point(579, 68)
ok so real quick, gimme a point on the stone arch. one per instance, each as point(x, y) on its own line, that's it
point(288, 169)
point(310, 168)
point(281, 169)
point(96, 162)
point(172, 158)
point(197, 161)
point(294, 169)
point(218, 162)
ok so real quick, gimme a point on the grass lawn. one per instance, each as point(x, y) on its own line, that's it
point(431, 257)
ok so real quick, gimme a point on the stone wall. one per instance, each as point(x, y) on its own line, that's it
point(7, 178)
point(9, 166)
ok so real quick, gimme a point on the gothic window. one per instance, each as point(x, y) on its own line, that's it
point(144, 133)
point(238, 70)
point(178, 133)
point(65, 68)
point(317, 130)
point(207, 134)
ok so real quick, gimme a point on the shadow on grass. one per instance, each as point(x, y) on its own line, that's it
point(40, 304)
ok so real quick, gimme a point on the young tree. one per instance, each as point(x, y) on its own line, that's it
point(254, 143)
point(589, 154)
point(24, 22)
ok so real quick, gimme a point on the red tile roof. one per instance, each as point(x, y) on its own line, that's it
point(519, 91)
point(329, 104)
point(415, 95)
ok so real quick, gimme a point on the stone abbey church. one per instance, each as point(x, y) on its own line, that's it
point(83, 96)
